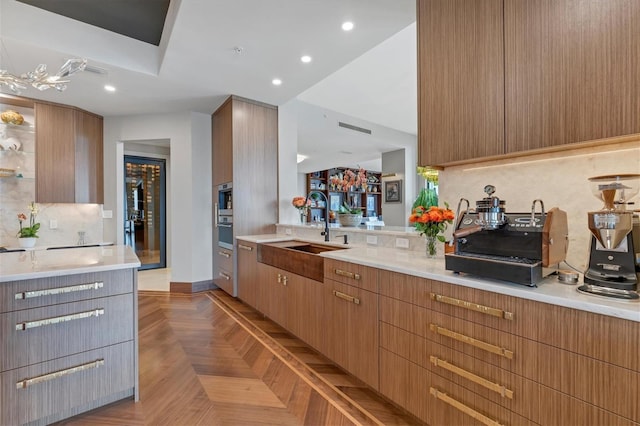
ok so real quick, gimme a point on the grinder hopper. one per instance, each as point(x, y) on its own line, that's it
point(611, 225)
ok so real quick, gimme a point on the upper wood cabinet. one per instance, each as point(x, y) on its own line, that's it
point(460, 80)
point(222, 139)
point(502, 77)
point(69, 155)
point(571, 71)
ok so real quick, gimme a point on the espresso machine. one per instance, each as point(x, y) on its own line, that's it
point(614, 268)
point(520, 248)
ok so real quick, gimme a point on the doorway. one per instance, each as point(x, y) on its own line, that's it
point(145, 209)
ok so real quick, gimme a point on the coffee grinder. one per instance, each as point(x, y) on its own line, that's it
point(614, 268)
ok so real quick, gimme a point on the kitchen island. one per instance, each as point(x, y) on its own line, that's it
point(448, 347)
point(68, 324)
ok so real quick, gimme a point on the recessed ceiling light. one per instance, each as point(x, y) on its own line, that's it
point(347, 26)
point(306, 59)
point(301, 158)
point(109, 88)
point(276, 82)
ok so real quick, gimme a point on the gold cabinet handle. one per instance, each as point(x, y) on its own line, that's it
point(243, 247)
point(347, 274)
point(346, 297)
point(60, 290)
point(471, 341)
point(225, 276)
point(225, 254)
point(280, 278)
point(23, 384)
point(500, 389)
point(284, 279)
point(55, 320)
point(472, 306)
point(464, 408)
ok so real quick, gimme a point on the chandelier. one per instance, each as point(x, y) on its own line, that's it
point(40, 79)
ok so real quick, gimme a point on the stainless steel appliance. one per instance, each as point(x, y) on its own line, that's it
point(223, 217)
point(521, 248)
point(614, 265)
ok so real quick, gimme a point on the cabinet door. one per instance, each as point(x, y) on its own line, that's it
point(247, 273)
point(55, 154)
point(222, 143)
point(223, 269)
point(273, 293)
point(89, 186)
point(571, 71)
point(305, 309)
point(352, 330)
point(460, 81)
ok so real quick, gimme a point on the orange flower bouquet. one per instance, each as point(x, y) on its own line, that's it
point(302, 204)
point(431, 222)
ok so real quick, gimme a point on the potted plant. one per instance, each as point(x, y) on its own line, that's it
point(27, 234)
point(349, 216)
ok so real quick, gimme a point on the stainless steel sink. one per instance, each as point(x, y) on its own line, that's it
point(299, 257)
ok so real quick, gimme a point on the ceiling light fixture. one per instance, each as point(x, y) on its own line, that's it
point(306, 59)
point(276, 82)
point(347, 26)
point(300, 158)
point(109, 88)
point(40, 79)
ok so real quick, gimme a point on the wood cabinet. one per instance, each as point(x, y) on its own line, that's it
point(460, 80)
point(368, 196)
point(504, 77)
point(245, 152)
point(248, 277)
point(223, 259)
point(351, 318)
point(69, 155)
point(478, 344)
point(571, 71)
point(69, 345)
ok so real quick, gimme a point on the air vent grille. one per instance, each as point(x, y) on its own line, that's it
point(355, 128)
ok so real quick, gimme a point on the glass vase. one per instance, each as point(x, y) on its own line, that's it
point(303, 217)
point(431, 247)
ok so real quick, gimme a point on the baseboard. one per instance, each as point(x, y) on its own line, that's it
point(195, 287)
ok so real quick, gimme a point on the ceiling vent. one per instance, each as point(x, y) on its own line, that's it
point(94, 69)
point(355, 128)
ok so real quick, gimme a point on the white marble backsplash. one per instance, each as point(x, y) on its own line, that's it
point(70, 219)
point(559, 179)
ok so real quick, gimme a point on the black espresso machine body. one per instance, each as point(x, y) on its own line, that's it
point(522, 248)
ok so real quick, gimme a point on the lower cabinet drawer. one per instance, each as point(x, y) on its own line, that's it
point(532, 400)
point(37, 391)
point(27, 294)
point(436, 400)
point(224, 279)
point(36, 335)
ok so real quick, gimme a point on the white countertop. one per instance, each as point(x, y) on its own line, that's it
point(550, 290)
point(48, 263)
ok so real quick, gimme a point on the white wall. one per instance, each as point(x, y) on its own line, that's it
point(288, 179)
point(189, 134)
point(395, 214)
point(559, 179)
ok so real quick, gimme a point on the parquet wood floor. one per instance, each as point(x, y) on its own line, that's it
point(208, 359)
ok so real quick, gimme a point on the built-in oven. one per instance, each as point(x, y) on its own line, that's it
point(225, 232)
point(224, 215)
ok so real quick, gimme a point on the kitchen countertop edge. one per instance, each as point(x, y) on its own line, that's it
point(414, 263)
point(15, 266)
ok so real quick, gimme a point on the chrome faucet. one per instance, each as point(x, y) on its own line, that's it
point(326, 213)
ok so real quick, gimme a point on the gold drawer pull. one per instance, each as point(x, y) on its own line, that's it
point(472, 306)
point(23, 384)
point(347, 274)
point(243, 247)
point(346, 297)
point(225, 276)
point(60, 290)
point(464, 408)
point(473, 342)
point(225, 254)
point(500, 389)
point(55, 320)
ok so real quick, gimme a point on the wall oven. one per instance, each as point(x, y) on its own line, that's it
point(224, 216)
